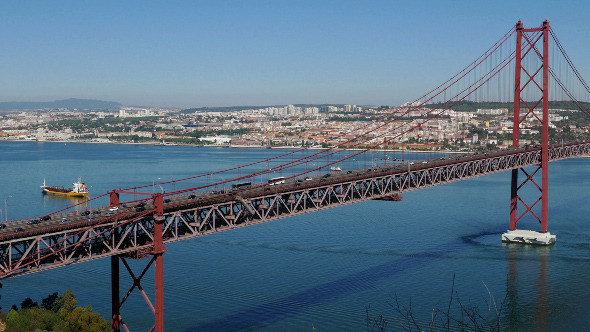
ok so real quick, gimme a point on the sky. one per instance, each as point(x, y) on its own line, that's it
point(224, 53)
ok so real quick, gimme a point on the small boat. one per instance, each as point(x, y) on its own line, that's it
point(79, 190)
point(391, 198)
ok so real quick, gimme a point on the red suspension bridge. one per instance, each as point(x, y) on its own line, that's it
point(516, 69)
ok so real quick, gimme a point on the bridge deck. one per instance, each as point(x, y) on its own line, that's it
point(27, 247)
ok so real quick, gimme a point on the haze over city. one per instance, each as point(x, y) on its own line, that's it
point(221, 53)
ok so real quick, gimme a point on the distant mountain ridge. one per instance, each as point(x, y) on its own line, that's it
point(71, 103)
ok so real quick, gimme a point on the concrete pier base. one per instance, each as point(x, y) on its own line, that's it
point(528, 237)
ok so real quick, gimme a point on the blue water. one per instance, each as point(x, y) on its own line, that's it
point(321, 270)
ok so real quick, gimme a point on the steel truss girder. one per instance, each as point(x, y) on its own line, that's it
point(31, 254)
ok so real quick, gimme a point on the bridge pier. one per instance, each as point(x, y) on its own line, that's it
point(528, 237)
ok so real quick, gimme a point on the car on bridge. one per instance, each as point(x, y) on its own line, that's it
point(34, 221)
point(240, 186)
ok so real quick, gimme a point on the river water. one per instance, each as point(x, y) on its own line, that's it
point(323, 270)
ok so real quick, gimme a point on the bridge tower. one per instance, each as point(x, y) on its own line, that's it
point(528, 84)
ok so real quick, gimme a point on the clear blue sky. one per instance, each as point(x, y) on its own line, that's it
point(221, 53)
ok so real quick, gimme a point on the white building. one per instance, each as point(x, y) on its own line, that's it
point(216, 139)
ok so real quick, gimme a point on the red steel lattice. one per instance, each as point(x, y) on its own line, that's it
point(532, 38)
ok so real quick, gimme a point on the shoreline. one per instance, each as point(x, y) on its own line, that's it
point(236, 146)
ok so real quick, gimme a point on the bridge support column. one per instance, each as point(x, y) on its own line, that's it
point(157, 252)
point(531, 86)
point(115, 300)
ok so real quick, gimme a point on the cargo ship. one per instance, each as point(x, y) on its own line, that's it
point(79, 189)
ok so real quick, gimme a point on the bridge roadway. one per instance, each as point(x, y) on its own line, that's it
point(28, 246)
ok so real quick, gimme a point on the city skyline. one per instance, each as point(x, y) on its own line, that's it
point(208, 54)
